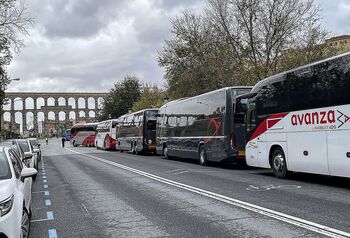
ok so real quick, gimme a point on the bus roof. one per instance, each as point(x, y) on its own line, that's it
point(84, 125)
point(217, 90)
point(147, 109)
point(276, 77)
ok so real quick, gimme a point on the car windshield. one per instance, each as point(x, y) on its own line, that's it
point(5, 172)
point(34, 142)
point(24, 146)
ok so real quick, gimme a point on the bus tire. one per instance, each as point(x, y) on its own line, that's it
point(202, 156)
point(74, 144)
point(278, 163)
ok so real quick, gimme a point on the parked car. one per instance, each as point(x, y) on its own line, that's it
point(29, 152)
point(15, 194)
point(36, 145)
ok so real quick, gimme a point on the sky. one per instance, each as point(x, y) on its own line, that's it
point(88, 45)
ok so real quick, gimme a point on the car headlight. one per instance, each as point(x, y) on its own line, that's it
point(6, 206)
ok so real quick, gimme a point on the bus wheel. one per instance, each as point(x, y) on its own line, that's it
point(74, 144)
point(279, 164)
point(202, 154)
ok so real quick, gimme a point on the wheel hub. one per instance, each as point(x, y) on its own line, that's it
point(278, 162)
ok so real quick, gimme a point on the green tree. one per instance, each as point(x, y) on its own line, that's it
point(121, 98)
point(151, 97)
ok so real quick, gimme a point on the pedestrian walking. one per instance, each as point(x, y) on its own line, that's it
point(63, 141)
point(47, 141)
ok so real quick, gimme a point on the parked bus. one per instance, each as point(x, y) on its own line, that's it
point(83, 134)
point(202, 127)
point(66, 134)
point(299, 120)
point(136, 132)
point(106, 135)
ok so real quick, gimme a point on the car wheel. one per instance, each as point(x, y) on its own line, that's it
point(25, 224)
point(202, 154)
point(279, 163)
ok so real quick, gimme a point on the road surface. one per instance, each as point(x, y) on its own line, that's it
point(85, 192)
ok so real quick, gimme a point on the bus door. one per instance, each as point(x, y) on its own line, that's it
point(339, 152)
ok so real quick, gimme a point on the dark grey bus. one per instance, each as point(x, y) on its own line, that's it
point(136, 132)
point(202, 127)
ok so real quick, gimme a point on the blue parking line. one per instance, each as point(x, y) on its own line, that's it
point(46, 193)
point(49, 215)
point(47, 202)
point(53, 233)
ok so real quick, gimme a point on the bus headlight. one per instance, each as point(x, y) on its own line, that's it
point(6, 206)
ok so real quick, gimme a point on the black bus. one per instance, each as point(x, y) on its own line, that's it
point(202, 127)
point(136, 132)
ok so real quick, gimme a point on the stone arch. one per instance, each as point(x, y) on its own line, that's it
point(61, 101)
point(91, 103)
point(29, 120)
point(41, 116)
point(18, 104)
point(92, 114)
point(72, 102)
point(7, 116)
point(41, 121)
point(51, 116)
point(81, 114)
point(100, 102)
point(72, 115)
point(61, 116)
point(40, 102)
point(7, 105)
point(29, 103)
point(50, 101)
point(81, 103)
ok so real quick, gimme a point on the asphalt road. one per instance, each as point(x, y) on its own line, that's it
point(85, 192)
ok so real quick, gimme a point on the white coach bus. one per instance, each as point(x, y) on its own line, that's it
point(106, 135)
point(299, 120)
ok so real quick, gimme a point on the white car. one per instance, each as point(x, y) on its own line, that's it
point(29, 152)
point(15, 194)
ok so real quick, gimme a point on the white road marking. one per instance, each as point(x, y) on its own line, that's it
point(46, 193)
point(173, 170)
point(45, 186)
point(312, 226)
point(181, 172)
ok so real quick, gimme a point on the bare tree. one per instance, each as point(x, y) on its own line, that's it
point(263, 30)
point(14, 21)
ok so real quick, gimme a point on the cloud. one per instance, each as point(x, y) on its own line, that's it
point(88, 45)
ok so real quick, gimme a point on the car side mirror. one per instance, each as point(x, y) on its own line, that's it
point(28, 155)
point(28, 172)
point(36, 150)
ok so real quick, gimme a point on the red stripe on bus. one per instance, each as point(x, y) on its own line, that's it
point(268, 123)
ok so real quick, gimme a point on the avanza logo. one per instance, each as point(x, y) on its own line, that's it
point(314, 118)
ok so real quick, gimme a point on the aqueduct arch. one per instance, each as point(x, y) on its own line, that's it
point(38, 107)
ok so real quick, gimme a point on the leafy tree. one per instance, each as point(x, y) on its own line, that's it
point(240, 42)
point(151, 97)
point(121, 98)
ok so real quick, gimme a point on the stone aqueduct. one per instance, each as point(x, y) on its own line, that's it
point(57, 108)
